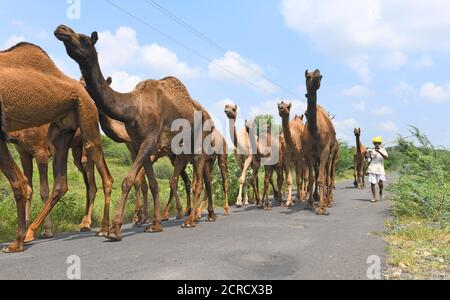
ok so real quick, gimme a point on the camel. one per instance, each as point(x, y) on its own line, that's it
point(319, 146)
point(32, 144)
point(273, 163)
point(293, 154)
point(245, 155)
point(359, 161)
point(34, 92)
point(148, 113)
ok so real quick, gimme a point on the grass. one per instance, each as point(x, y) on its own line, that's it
point(418, 250)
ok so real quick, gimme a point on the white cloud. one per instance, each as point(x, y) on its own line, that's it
point(123, 82)
point(233, 67)
point(379, 32)
point(383, 111)
point(435, 93)
point(361, 65)
point(393, 61)
point(359, 105)
point(344, 129)
point(122, 49)
point(358, 91)
point(389, 126)
point(379, 24)
point(13, 40)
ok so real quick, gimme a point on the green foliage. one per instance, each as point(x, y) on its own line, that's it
point(267, 119)
point(345, 163)
point(423, 189)
point(163, 169)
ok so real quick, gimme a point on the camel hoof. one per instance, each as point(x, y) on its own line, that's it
point(114, 238)
point(46, 235)
point(260, 206)
point(288, 204)
point(84, 229)
point(187, 212)
point(212, 218)
point(226, 211)
point(166, 219)
point(322, 212)
point(188, 225)
point(309, 206)
point(29, 237)
point(103, 233)
point(154, 228)
point(13, 248)
point(239, 205)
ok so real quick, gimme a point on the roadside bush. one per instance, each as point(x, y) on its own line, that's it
point(163, 169)
point(345, 163)
point(423, 189)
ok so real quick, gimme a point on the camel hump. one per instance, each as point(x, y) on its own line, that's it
point(175, 88)
point(27, 55)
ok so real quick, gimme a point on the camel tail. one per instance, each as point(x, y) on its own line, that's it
point(3, 132)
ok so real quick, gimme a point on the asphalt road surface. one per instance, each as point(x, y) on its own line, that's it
point(249, 244)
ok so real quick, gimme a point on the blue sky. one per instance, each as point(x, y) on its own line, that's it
point(385, 63)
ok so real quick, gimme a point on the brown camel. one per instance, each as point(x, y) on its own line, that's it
point(32, 144)
point(245, 155)
point(293, 154)
point(319, 146)
point(34, 92)
point(273, 163)
point(359, 161)
point(148, 113)
point(218, 151)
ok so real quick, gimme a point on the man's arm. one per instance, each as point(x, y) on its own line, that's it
point(383, 153)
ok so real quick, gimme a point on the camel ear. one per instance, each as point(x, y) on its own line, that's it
point(109, 80)
point(290, 105)
point(94, 38)
point(306, 73)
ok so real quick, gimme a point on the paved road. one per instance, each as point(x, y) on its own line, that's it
point(250, 244)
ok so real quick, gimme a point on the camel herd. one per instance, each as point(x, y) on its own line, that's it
point(45, 114)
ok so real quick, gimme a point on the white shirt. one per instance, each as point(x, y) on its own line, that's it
point(377, 162)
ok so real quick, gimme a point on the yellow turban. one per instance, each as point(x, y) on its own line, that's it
point(377, 140)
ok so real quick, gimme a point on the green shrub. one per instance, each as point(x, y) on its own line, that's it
point(423, 189)
point(163, 169)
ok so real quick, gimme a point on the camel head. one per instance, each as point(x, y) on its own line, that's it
point(249, 124)
point(313, 81)
point(357, 132)
point(79, 47)
point(231, 111)
point(284, 109)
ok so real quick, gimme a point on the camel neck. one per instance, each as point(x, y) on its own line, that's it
point(358, 144)
point(312, 112)
point(116, 105)
point(287, 131)
point(233, 132)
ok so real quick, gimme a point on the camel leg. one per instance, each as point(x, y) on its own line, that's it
point(280, 182)
point(329, 182)
point(146, 148)
point(311, 181)
point(265, 199)
point(298, 180)
point(223, 166)
point(187, 188)
point(290, 184)
point(207, 177)
point(199, 163)
point(155, 226)
point(27, 165)
point(62, 146)
point(363, 174)
point(44, 190)
point(321, 183)
point(21, 189)
point(355, 173)
point(333, 179)
point(255, 182)
point(141, 210)
point(180, 165)
point(242, 180)
point(87, 169)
